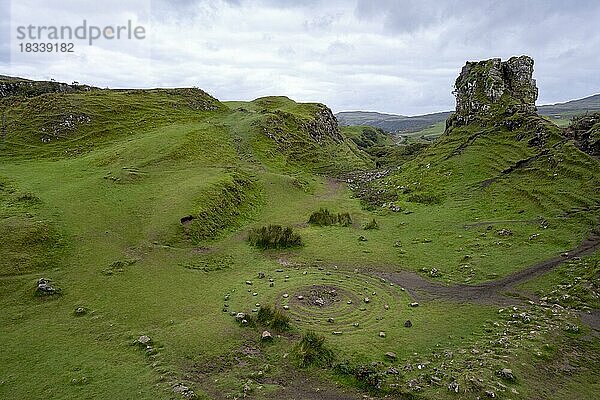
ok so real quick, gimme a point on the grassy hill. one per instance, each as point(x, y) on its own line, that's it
point(136, 205)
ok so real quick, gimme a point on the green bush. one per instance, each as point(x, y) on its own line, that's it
point(273, 318)
point(274, 237)
point(371, 225)
point(325, 218)
point(311, 350)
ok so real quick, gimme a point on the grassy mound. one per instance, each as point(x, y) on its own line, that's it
point(224, 206)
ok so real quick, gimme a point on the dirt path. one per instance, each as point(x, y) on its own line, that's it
point(494, 292)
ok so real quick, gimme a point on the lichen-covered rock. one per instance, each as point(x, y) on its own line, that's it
point(485, 87)
point(324, 125)
point(585, 130)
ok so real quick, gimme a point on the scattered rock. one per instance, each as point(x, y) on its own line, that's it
point(414, 304)
point(506, 373)
point(505, 232)
point(286, 307)
point(285, 295)
point(44, 287)
point(382, 334)
point(144, 340)
point(386, 307)
point(300, 297)
point(361, 238)
point(248, 282)
point(407, 323)
point(330, 320)
point(391, 355)
point(337, 332)
point(240, 316)
point(266, 336)
point(490, 394)
point(572, 328)
point(367, 300)
point(79, 311)
point(184, 391)
point(261, 275)
point(453, 387)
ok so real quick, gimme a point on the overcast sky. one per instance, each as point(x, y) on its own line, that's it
point(397, 56)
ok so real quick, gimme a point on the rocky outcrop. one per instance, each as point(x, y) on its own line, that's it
point(10, 86)
point(324, 125)
point(487, 87)
point(585, 131)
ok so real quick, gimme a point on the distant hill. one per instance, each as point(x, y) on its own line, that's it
point(403, 124)
point(573, 107)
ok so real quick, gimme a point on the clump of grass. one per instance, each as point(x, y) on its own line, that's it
point(273, 318)
point(371, 225)
point(324, 217)
point(274, 237)
point(425, 198)
point(311, 350)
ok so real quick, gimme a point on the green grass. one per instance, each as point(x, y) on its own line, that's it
point(98, 211)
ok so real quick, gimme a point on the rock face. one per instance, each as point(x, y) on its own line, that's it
point(10, 86)
point(484, 85)
point(323, 125)
point(585, 130)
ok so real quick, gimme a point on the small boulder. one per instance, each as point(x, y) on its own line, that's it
point(382, 334)
point(367, 300)
point(79, 311)
point(414, 304)
point(453, 387)
point(266, 336)
point(407, 323)
point(248, 282)
point(240, 316)
point(506, 373)
point(144, 340)
point(44, 287)
point(261, 275)
point(337, 333)
point(330, 320)
point(391, 355)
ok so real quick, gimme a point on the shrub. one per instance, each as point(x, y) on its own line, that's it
point(273, 318)
point(325, 218)
point(274, 237)
point(372, 224)
point(311, 350)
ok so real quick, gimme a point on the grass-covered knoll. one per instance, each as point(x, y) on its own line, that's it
point(226, 205)
point(290, 136)
point(71, 123)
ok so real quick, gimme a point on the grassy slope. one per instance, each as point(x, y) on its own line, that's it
point(115, 188)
